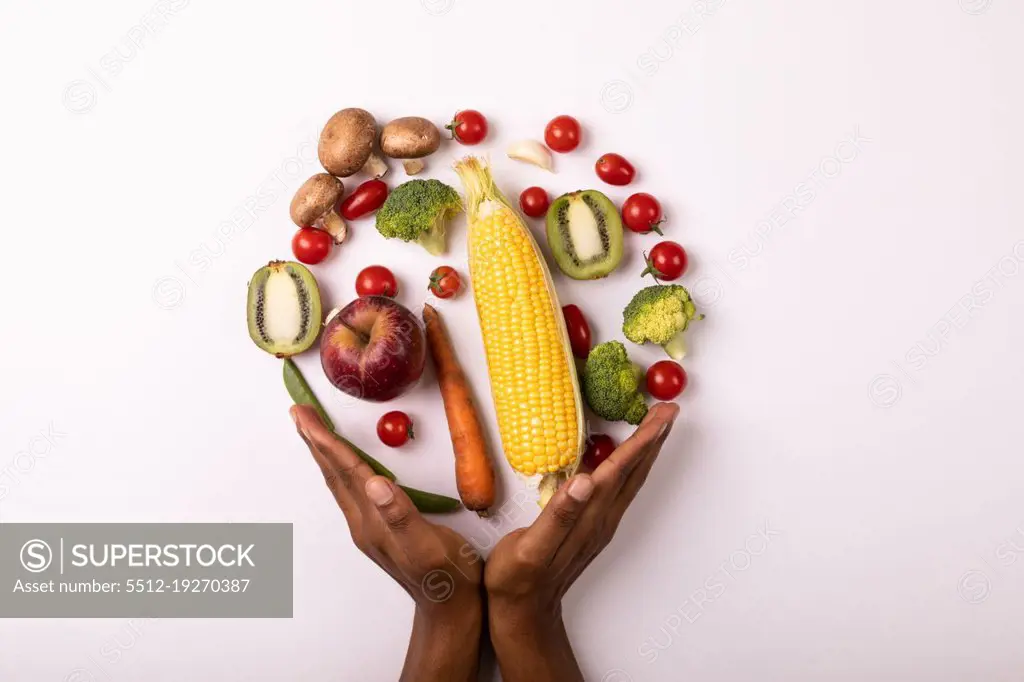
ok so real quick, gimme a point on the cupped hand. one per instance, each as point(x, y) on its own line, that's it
point(434, 564)
point(579, 521)
point(531, 568)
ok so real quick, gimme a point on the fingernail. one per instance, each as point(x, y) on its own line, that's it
point(294, 412)
point(580, 488)
point(668, 415)
point(379, 491)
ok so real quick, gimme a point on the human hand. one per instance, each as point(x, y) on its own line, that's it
point(432, 563)
point(531, 568)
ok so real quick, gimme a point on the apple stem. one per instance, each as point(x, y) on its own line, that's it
point(362, 337)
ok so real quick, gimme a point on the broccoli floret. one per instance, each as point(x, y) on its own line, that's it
point(660, 314)
point(418, 211)
point(611, 384)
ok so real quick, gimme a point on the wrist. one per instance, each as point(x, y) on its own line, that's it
point(460, 614)
point(445, 642)
point(526, 623)
point(530, 641)
point(510, 609)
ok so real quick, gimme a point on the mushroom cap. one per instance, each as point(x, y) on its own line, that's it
point(315, 199)
point(409, 137)
point(346, 141)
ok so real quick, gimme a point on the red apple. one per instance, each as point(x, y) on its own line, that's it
point(373, 349)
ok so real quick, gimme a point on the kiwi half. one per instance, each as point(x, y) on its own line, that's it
point(585, 234)
point(283, 309)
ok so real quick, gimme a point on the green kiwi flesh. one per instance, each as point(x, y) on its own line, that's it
point(585, 234)
point(283, 309)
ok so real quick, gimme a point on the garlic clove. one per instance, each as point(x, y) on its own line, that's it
point(531, 151)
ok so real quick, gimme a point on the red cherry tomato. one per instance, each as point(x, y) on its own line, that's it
point(562, 134)
point(534, 201)
point(615, 170)
point(376, 280)
point(395, 429)
point(599, 447)
point(468, 127)
point(444, 282)
point(366, 198)
point(579, 331)
point(642, 213)
point(666, 380)
point(311, 245)
point(667, 261)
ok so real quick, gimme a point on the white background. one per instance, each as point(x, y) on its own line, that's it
point(844, 392)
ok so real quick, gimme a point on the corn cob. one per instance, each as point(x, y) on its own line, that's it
point(533, 376)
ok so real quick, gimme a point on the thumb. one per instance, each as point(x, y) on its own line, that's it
point(558, 518)
point(394, 506)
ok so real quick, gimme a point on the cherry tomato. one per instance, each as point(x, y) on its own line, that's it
point(534, 201)
point(376, 280)
point(311, 245)
point(468, 127)
point(562, 134)
point(667, 261)
point(599, 447)
point(444, 282)
point(579, 331)
point(642, 213)
point(615, 170)
point(395, 429)
point(665, 379)
point(366, 198)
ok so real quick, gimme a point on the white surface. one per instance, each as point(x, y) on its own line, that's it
point(888, 474)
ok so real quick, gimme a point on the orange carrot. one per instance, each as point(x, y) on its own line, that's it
point(474, 472)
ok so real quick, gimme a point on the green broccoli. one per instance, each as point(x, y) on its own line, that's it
point(611, 384)
point(418, 211)
point(660, 314)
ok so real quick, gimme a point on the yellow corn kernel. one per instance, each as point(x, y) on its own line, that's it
point(533, 376)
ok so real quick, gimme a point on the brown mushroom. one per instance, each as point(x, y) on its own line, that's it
point(410, 138)
point(346, 144)
point(315, 205)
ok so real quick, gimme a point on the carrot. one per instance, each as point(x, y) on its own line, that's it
point(474, 472)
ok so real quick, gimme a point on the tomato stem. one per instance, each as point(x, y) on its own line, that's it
point(451, 128)
point(651, 270)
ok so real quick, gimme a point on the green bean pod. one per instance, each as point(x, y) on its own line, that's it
point(302, 394)
point(431, 503)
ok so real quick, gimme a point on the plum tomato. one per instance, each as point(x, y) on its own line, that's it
point(366, 198)
point(614, 169)
point(579, 331)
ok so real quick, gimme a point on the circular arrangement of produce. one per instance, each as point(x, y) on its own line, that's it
point(545, 368)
